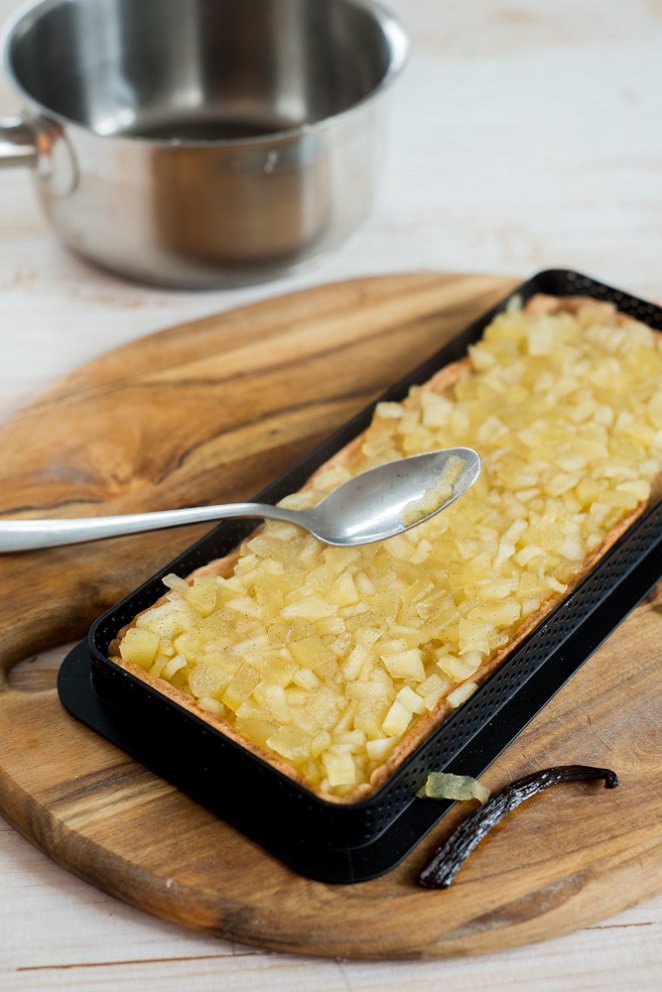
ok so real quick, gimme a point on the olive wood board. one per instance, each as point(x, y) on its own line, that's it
point(211, 411)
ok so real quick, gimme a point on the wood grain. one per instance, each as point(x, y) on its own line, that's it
point(211, 411)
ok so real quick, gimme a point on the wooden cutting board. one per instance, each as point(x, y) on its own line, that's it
point(210, 411)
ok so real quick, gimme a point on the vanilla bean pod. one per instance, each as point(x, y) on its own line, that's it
point(452, 854)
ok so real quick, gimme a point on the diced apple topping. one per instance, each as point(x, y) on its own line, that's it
point(328, 657)
point(436, 495)
point(140, 645)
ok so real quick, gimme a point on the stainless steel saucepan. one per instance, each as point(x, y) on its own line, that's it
point(199, 143)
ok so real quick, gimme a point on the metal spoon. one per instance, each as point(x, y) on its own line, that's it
point(366, 508)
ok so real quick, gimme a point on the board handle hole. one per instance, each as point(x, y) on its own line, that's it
point(38, 672)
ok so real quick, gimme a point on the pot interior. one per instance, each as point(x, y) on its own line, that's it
point(193, 70)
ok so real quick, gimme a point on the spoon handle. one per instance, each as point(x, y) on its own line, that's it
point(29, 535)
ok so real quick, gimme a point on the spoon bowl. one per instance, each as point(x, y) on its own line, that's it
point(369, 507)
point(374, 505)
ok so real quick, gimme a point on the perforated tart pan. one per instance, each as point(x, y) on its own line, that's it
point(351, 842)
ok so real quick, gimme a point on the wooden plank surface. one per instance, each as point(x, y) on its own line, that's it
point(500, 160)
point(210, 411)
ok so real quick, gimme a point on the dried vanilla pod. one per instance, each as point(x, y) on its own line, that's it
point(452, 854)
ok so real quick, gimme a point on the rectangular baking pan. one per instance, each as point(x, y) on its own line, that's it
point(351, 842)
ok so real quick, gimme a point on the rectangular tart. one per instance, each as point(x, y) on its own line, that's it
point(334, 664)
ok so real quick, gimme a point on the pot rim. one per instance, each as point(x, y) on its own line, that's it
point(390, 24)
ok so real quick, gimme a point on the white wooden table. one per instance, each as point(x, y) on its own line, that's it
point(524, 134)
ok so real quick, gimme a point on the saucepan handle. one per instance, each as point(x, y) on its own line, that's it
point(18, 143)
